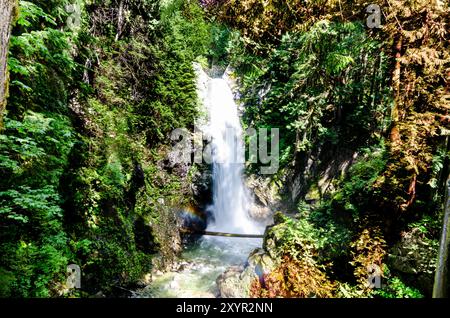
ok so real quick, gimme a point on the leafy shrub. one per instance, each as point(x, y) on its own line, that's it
point(293, 279)
point(298, 244)
point(355, 190)
point(315, 105)
point(369, 250)
point(69, 197)
point(34, 153)
point(395, 288)
point(296, 238)
point(41, 63)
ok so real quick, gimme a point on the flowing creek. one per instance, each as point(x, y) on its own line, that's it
point(203, 263)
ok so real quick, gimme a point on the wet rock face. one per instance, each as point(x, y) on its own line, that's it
point(266, 199)
point(167, 235)
point(322, 166)
point(201, 186)
point(144, 237)
point(173, 164)
point(415, 257)
point(261, 263)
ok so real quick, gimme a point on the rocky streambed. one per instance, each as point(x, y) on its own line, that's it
point(212, 267)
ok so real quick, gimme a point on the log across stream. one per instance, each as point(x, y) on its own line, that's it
point(222, 234)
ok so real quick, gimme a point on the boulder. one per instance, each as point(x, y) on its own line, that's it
point(231, 285)
point(415, 256)
point(266, 198)
point(236, 281)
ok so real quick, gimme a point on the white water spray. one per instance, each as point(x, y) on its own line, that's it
point(231, 200)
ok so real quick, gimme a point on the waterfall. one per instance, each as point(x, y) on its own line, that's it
point(231, 199)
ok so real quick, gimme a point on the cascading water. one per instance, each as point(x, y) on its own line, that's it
point(205, 261)
point(231, 201)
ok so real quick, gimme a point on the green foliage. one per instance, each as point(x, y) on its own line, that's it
point(332, 85)
point(31, 13)
point(297, 238)
point(437, 167)
point(34, 153)
point(317, 105)
point(41, 63)
point(395, 288)
point(186, 31)
point(299, 245)
point(144, 88)
point(355, 192)
point(89, 112)
point(35, 148)
point(185, 36)
point(428, 225)
point(220, 45)
point(33, 268)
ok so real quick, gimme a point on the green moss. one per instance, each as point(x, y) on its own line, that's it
point(313, 193)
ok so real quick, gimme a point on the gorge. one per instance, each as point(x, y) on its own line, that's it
point(91, 178)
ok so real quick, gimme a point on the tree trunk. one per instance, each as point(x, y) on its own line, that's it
point(395, 134)
point(119, 21)
point(441, 280)
point(7, 12)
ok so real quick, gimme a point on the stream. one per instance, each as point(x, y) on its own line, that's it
point(202, 263)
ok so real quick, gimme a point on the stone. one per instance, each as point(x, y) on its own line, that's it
point(266, 198)
point(231, 285)
point(236, 281)
point(100, 294)
point(201, 185)
point(174, 284)
point(147, 279)
point(259, 258)
point(415, 256)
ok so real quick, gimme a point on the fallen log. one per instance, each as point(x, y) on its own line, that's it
point(209, 233)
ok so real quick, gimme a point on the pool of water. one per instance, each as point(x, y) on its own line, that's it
point(203, 262)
